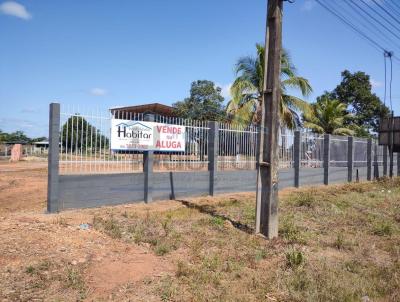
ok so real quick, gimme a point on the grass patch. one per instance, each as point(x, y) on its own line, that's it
point(294, 258)
point(323, 254)
point(383, 228)
point(305, 199)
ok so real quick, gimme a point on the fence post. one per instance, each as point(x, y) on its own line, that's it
point(398, 163)
point(212, 152)
point(376, 167)
point(53, 158)
point(350, 158)
point(369, 159)
point(385, 162)
point(327, 149)
point(296, 157)
point(148, 158)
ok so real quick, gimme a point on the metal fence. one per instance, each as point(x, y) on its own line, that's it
point(27, 151)
point(237, 147)
point(85, 146)
point(218, 158)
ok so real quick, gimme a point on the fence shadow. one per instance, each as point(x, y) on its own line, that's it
point(210, 210)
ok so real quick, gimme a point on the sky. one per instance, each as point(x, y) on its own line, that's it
point(98, 54)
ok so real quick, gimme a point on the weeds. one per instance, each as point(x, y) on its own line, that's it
point(294, 258)
point(217, 221)
point(109, 225)
point(75, 281)
point(383, 228)
point(159, 233)
point(305, 199)
point(219, 263)
point(290, 232)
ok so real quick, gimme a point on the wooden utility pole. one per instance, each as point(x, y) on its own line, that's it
point(267, 180)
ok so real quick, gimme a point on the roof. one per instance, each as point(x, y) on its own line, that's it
point(15, 143)
point(41, 143)
point(155, 108)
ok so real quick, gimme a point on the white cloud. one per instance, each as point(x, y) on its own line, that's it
point(308, 5)
point(15, 9)
point(225, 90)
point(98, 91)
point(375, 84)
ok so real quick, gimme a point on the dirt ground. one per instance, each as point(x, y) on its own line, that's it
point(31, 239)
point(336, 243)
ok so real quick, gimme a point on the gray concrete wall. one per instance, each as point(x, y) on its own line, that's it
point(85, 191)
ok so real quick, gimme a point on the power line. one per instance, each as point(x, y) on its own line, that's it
point(393, 8)
point(371, 7)
point(390, 83)
point(382, 35)
point(384, 9)
point(395, 4)
point(360, 32)
point(375, 19)
point(384, 95)
point(348, 23)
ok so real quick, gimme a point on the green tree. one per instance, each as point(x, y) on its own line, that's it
point(78, 133)
point(328, 116)
point(245, 106)
point(365, 106)
point(38, 139)
point(3, 136)
point(14, 137)
point(204, 103)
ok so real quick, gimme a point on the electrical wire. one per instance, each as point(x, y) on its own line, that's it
point(394, 10)
point(375, 19)
point(367, 24)
point(384, 9)
point(395, 4)
point(353, 27)
point(390, 83)
point(384, 95)
point(367, 37)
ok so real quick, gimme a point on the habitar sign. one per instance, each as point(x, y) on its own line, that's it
point(142, 136)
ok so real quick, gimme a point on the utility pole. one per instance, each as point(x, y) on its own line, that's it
point(267, 199)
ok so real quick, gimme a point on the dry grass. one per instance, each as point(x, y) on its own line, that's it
point(337, 243)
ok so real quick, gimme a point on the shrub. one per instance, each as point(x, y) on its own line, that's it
point(383, 228)
point(294, 258)
point(305, 199)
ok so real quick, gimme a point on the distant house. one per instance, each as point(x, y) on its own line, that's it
point(130, 112)
point(40, 147)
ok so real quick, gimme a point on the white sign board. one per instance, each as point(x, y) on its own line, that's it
point(142, 136)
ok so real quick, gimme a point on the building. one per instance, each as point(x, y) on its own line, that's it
point(153, 108)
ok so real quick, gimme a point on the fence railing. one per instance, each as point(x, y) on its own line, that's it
point(217, 158)
point(85, 146)
point(27, 151)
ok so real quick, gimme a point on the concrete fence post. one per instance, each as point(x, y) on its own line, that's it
point(350, 158)
point(369, 159)
point(385, 160)
point(53, 159)
point(398, 163)
point(148, 159)
point(376, 167)
point(296, 157)
point(391, 161)
point(327, 156)
point(213, 144)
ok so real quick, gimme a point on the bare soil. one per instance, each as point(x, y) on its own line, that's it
point(338, 243)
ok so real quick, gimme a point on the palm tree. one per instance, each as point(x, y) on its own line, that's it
point(328, 116)
point(245, 106)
